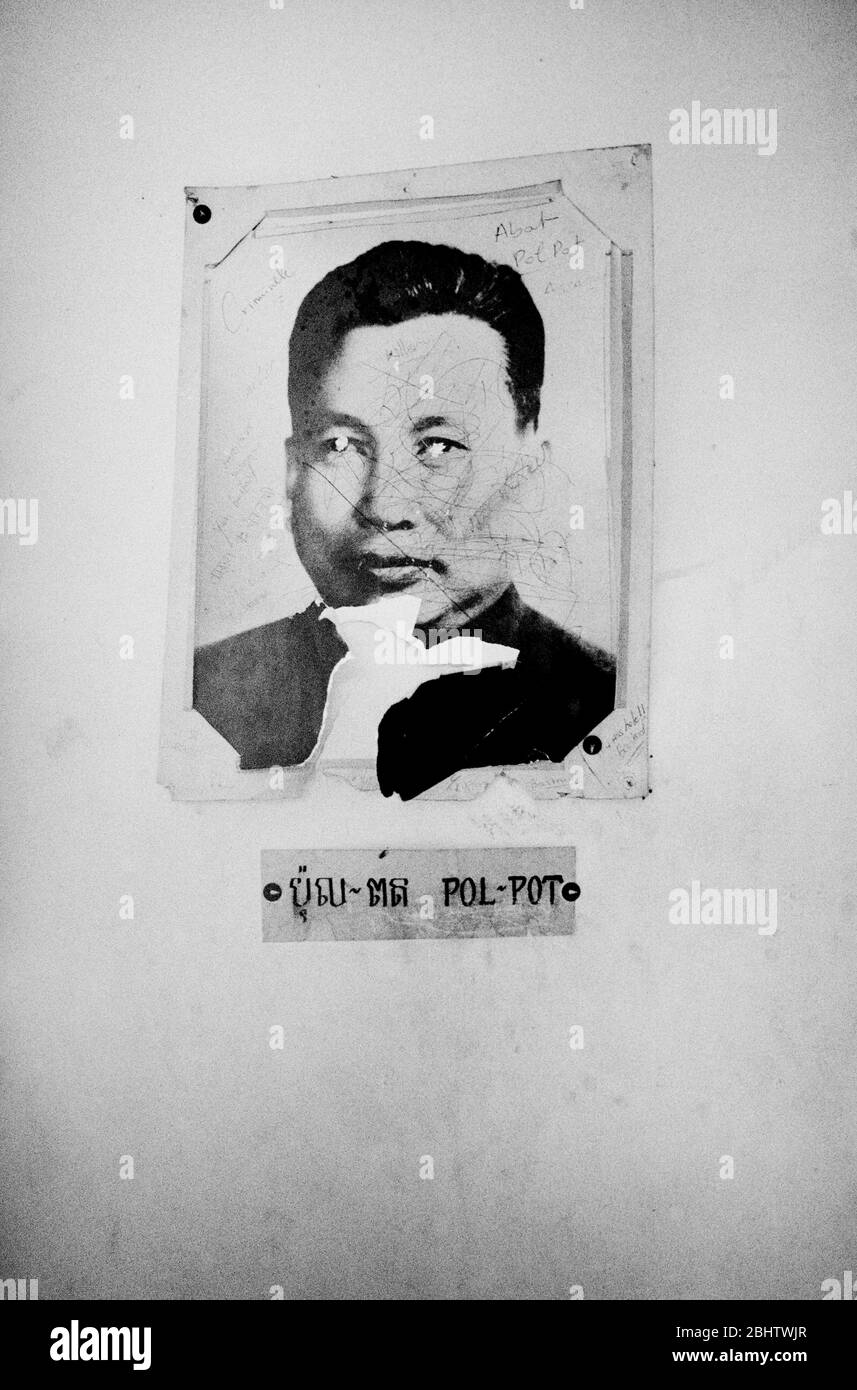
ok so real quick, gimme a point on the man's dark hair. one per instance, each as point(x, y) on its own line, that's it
point(400, 280)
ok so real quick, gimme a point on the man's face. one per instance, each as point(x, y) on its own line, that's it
point(407, 461)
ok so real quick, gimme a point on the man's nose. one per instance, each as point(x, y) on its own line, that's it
point(390, 498)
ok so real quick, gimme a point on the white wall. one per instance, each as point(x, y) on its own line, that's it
point(553, 1167)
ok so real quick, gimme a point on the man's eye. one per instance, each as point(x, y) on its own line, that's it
point(340, 444)
point(435, 447)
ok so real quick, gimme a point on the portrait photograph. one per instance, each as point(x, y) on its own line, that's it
point(411, 517)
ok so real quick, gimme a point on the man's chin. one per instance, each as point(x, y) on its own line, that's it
point(437, 607)
point(455, 611)
point(368, 585)
point(409, 580)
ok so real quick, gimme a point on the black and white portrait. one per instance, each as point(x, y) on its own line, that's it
point(412, 521)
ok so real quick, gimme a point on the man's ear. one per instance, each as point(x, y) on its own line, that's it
point(292, 465)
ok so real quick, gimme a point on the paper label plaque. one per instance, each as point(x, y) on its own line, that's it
point(366, 895)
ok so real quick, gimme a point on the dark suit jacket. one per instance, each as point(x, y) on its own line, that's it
point(265, 692)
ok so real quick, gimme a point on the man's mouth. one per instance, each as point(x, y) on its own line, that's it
point(390, 565)
point(397, 571)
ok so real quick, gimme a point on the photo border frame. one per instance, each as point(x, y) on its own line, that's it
point(611, 188)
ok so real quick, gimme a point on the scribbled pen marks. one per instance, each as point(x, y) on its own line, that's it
point(508, 518)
